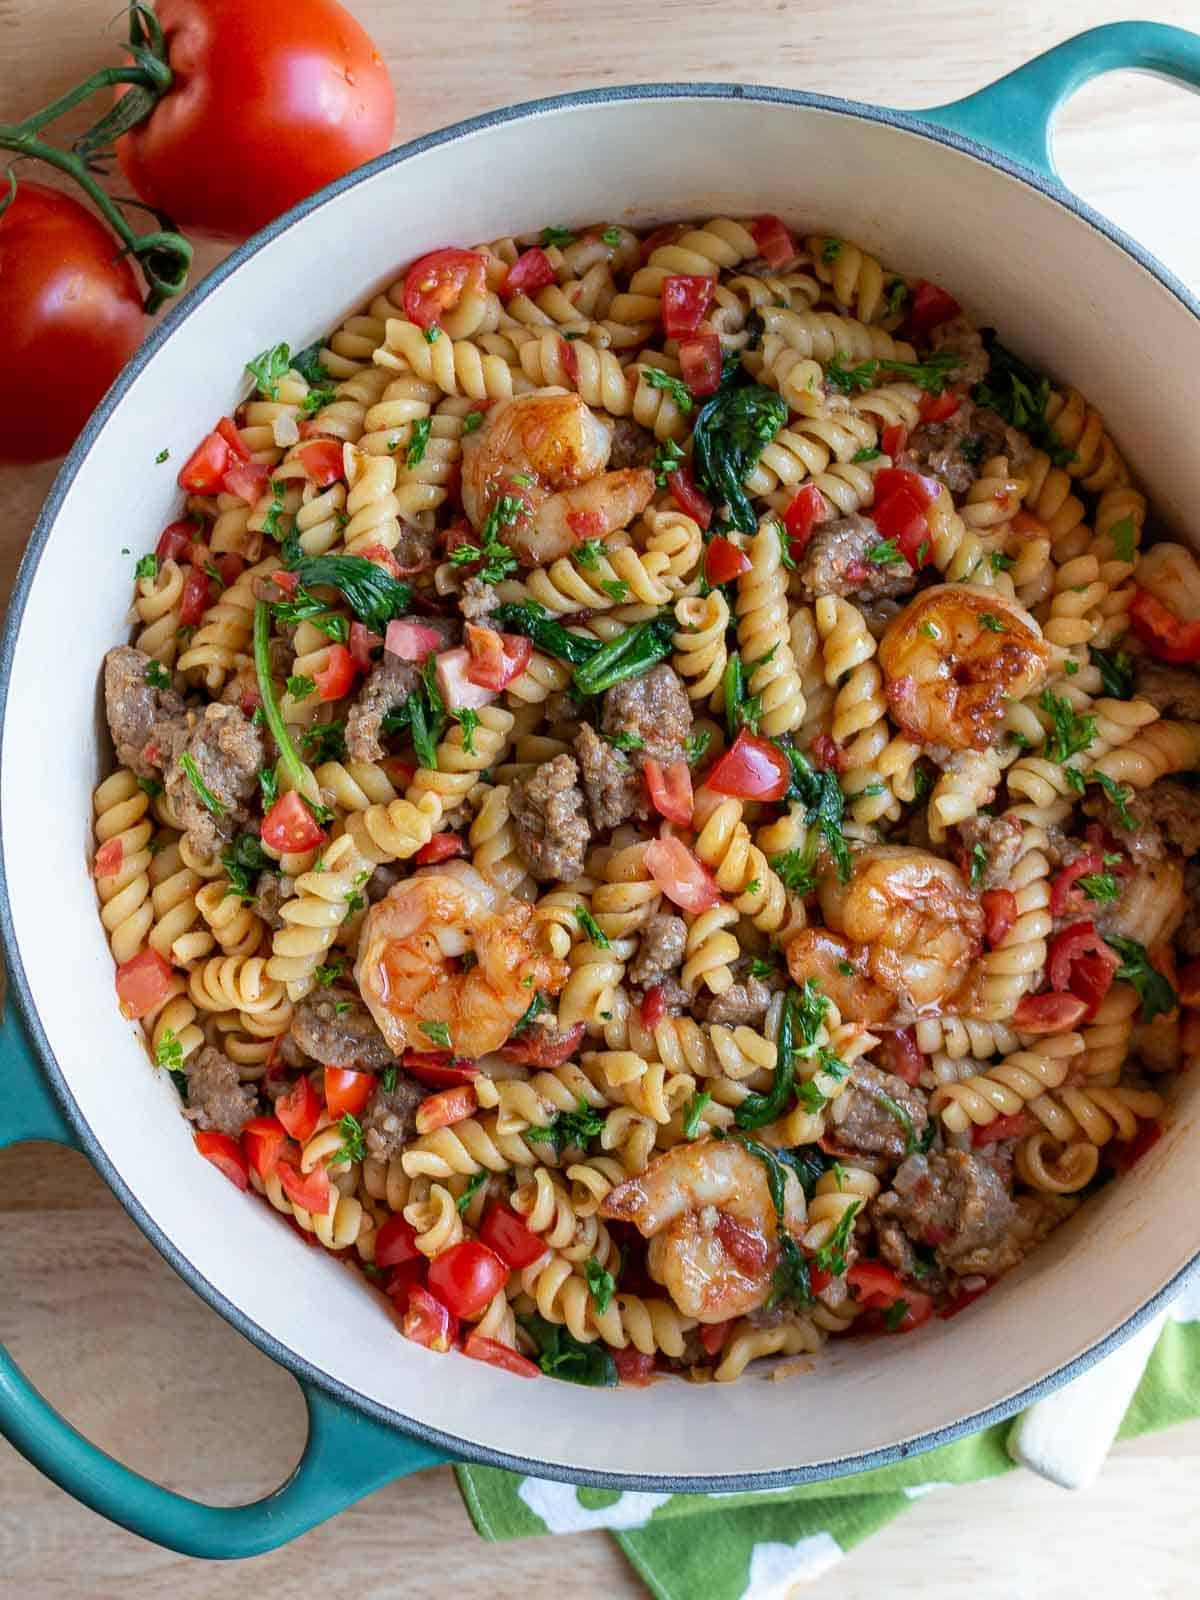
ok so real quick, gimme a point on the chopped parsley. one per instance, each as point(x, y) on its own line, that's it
point(587, 555)
point(801, 1018)
point(568, 1129)
point(207, 798)
point(354, 1146)
point(886, 554)
point(732, 430)
point(269, 784)
point(418, 442)
point(1019, 395)
point(1153, 990)
point(1001, 562)
point(895, 1109)
point(831, 1257)
point(666, 461)
point(742, 710)
point(534, 1009)
point(432, 333)
point(626, 741)
point(330, 974)
point(168, 1051)
point(472, 1189)
point(973, 449)
point(317, 399)
point(695, 746)
point(147, 567)
point(695, 1110)
point(979, 865)
point(387, 1079)
point(271, 521)
point(468, 719)
point(675, 387)
point(867, 453)
point(821, 794)
point(895, 1315)
point(1124, 537)
point(796, 869)
point(268, 367)
point(157, 675)
point(601, 1285)
point(438, 1033)
point(1070, 734)
point(243, 860)
point(1116, 672)
point(611, 237)
point(150, 786)
point(992, 622)
point(308, 364)
point(616, 589)
point(300, 688)
point(1120, 794)
point(163, 455)
point(896, 296)
point(762, 967)
point(324, 741)
point(830, 251)
point(929, 375)
point(591, 927)
point(472, 420)
point(1099, 886)
point(498, 561)
point(557, 236)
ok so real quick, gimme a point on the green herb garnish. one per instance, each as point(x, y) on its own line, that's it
point(168, 1051)
point(1116, 672)
point(992, 622)
point(207, 798)
point(979, 865)
point(561, 1355)
point(568, 1129)
point(268, 367)
point(601, 1285)
point(695, 1110)
point(1070, 734)
point(243, 860)
point(438, 1033)
point(886, 554)
point(1154, 991)
point(732, 430)
point(147, 567)
point(557, 236)
point(1020, 395)
point(373, 594)
point(300, 688)
point(157, 675)
point(667, 457)
point(472, 1189)
point(629, 655)
point(675, 387)
point(591, 927)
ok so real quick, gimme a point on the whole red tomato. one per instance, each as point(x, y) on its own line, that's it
point(270, 101)
point(72, 317)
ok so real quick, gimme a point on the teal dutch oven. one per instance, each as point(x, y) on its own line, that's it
point(964, 193)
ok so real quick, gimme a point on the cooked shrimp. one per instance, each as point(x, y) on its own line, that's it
point(842, 970)
point(714, 1236)
point(412, 978)
point(915, 919)
point(548, 451)
point(951, 659)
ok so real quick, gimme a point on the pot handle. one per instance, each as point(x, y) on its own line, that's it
point(346, 1455)
point(1015, 115)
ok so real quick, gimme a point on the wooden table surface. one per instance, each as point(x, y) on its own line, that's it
point(103, 1325)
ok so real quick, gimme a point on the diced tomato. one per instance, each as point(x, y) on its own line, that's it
point(723, 561)
point(924, 489)
point(827, 756)
point(901, 1055)
point(751, 769)
point(700, 362)
point(918, 1308)
point(570, 361)
point(286, 582)
point(684, 880)
point(654, 1006)
point(396, 1242)
point(400, 771)
point(362, 643)
point(632, 1366)
point(246, 479)
point(893, 439)
point(1079, 962)
point(685, 299)
point(308, 1190)
point(143, 982)
point(930, 307)
point(196, 597)
point(805, 510)
point(1128, 1155)
point(746, 1246)
point(290, 826)
point(667, 234)
point(263, 1139)
point(402, 1280)
point(412, 640)
point(999, 914)
point(229, 566)
point(531, 270)
point(427, 1321)
point(334, 679)
point(226, 1155)
point(538, 1047)
point(1049, 1013)
point(876, 1283)
point(775, 243)
point(1187, 984)
point(1063, 896)
point(321, 460)
point(208, 463)
point(383, 557)
point(436, 1070)
point(299, 1109)
point(437, 282)
point(347, 1091)
point(466, 1276)
point(818, 1278)
point(442, 847)
point(175, 540)
point(713, 1335)
point(496, 658)
point(239, 450)
point(1165, 635)
point(1014, 1127)
point(109, 858)
point(940, 407)
point(444, 1109)
point(505, 1233)
point(687, 497)
point(499, 1355)
point(587, 525)
point(670, 789)
point(902, 517)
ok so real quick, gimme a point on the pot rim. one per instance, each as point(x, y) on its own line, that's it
point(466, 1449)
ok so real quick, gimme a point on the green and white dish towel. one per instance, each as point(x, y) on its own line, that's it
point(758, 1546)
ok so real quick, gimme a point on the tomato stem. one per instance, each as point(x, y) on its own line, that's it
point(164, 256)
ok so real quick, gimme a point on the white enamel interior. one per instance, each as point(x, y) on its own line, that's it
point(1061, 293)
